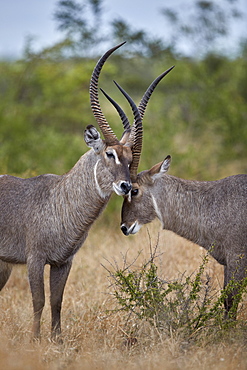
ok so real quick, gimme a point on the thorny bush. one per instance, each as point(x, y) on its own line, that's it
point(188, 305)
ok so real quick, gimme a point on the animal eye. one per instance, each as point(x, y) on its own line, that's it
point(110, 155)
point(134, 192)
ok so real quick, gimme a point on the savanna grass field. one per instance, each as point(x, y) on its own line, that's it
point(198, 116)
point(97, 337)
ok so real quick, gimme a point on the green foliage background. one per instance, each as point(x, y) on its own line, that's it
point(197, 114)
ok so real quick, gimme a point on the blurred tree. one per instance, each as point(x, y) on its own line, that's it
point(139, 42)
point(83, 25)
point(194, 30)
point(201, 26)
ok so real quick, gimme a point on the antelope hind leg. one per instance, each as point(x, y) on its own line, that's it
point(36, 281)
point(234, 274)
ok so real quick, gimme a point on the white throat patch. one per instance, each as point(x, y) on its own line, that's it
point(157, 210)
point(100, 192)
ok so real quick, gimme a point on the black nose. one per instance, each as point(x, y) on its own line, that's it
point(124, 229)
point(126, 187)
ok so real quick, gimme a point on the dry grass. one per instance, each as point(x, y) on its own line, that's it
point(93, 340)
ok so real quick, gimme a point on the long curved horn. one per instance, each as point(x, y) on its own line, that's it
point(142, 107)
point(105, 128)
point(136, 135)
point(136, 139)
point(145, 99)
point(121, 113)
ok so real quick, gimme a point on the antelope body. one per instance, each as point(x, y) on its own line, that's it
point(45, 219)
point(212, 214)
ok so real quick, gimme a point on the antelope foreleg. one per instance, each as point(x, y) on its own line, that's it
point(58, 278)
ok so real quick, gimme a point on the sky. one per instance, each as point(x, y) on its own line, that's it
point(20, 19)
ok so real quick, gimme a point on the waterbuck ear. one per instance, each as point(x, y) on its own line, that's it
point(125, 137)
point(166, 164)
point(160, 168)
point(92, 138)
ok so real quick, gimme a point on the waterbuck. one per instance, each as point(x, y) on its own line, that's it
point(212, 214)
point(45, 219)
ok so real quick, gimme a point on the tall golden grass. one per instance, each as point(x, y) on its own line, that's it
point(94, 339)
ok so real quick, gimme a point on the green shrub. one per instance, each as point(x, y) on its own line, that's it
point(188, 305)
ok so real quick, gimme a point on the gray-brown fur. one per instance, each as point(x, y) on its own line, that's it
point(45, 220)
point(212, 214)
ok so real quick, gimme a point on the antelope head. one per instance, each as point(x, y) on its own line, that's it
point(113, 156)
point(139, 206)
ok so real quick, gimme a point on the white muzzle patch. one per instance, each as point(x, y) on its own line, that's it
point(117, 189)
point(133, 229)
point(121, 188)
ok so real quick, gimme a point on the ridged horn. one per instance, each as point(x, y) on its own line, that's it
point(120, 111)
point(147, 95)
point(135, 139)
point(136, 135)
point(142, 107)
point(104, 126)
